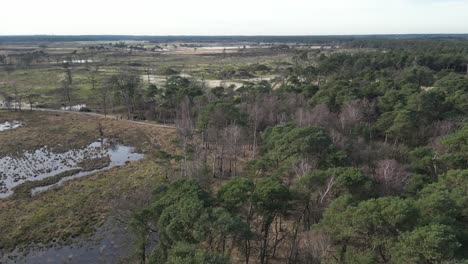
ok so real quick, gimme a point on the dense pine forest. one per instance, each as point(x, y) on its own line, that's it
point(347, 157)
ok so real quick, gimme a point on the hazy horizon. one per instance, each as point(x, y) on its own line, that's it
point(240, 35)
point(243, 17)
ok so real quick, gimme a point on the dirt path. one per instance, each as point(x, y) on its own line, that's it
point(101, 116)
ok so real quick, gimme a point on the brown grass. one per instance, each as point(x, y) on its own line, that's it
point(80, 205)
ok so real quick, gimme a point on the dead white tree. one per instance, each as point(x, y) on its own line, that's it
point(391, 176)
point(352, 113)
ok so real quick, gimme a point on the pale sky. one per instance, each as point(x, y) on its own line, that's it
point(236, 17)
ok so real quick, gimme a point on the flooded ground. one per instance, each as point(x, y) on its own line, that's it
point(42, 163)
point(79, 61)
point(225, 47)
point(12, 104)
point(109, 244)
point(77, 107)
point(10, 125)
point(118, 155)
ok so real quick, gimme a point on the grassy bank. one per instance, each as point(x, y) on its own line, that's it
point(80, 205)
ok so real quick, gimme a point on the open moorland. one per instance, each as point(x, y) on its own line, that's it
point(41, 68)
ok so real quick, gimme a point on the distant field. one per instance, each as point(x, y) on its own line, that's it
point(43, 76)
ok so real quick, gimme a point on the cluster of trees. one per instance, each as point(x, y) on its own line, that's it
point(345, 157)
point(194, 226)
point(353, 158)
point(3, 59)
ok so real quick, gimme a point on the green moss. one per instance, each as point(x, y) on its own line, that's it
point(23, 191)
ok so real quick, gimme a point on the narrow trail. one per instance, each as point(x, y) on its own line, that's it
point(99, 115)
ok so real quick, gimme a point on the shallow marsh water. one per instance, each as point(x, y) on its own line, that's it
point(109, 243)
point(10, 125)
point(118, 155)
point(43, 163)
point(75, 108)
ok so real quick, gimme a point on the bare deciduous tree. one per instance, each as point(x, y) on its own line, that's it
point(67, 84)
point(390, 176)
point(185, 129)
point(30, 96)
point(313, 247)
point(17, 97)
point(319, 116)
point(232, 137)
point(127, 85)
point(351, 114)
point(93, 71)
point(104, 95)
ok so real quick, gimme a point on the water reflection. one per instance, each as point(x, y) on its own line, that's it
point(119, 155)
point(109, 243)
point(43, 163)
point(10, 125)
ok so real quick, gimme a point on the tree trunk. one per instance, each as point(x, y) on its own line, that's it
point(264, 245)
